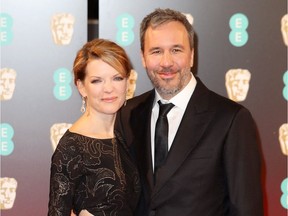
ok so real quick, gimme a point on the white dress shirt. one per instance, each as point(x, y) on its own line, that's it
point(176, 113)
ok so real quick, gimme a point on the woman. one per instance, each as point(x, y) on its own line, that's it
point(92, 172)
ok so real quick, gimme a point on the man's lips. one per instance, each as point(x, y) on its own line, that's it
point(166, 75)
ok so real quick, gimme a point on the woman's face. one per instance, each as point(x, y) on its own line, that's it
point(104, 87)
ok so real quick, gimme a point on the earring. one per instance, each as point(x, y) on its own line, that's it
point(83, 107)
point(125, 102)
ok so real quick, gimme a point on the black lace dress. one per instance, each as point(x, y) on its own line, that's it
point(93, 174)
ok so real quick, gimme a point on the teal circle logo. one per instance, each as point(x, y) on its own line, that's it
point(7, 133)
point(284, 197)
point(125, 21)
point(239, 22)
point(125, 38)
point(285, 89)
point(238, 35)
point(6, 33)
point(62, 79)
point(125, 34)
point(238, 38)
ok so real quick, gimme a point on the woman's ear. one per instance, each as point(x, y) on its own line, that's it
point(81, 88)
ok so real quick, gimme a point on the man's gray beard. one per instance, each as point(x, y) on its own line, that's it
point(165, 91)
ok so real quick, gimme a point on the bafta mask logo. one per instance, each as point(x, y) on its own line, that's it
point(7, 83)
point(131, 84)
point(56, 132)
point(62, 27)
point(8, 188)
point(237, 84)
point(283, 138)
point(284, 28)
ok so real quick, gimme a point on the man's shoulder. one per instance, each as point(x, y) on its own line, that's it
point(215, 99)
point(144, 98)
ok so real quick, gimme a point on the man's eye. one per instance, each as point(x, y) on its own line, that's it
point(155, 52)
point(176, 50)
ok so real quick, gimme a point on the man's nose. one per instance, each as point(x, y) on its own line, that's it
point(166, 60)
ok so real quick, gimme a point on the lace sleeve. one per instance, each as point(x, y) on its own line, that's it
point(64, 176)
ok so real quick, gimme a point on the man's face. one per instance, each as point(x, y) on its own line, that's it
point(7, 193)
point(7, 85)
point(168, 58)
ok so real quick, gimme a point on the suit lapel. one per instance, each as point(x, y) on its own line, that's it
point(193, 125)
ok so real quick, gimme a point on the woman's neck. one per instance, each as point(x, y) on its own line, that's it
point(96, 126)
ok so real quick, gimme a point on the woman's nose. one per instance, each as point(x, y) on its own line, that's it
point(108, 86)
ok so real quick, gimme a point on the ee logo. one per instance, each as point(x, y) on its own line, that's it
point(238, 35)
point(125, 24)
point(284, 197)
point(6, 34)
point(7, 133)
point(285, 89)
point(62, 79)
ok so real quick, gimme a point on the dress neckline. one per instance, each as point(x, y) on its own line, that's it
point(78, 134)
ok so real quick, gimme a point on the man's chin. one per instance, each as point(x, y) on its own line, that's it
point(168, 91)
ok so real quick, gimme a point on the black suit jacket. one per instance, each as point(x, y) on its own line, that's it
point(213, 167)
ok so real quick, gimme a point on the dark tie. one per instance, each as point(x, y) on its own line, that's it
point(161, 135)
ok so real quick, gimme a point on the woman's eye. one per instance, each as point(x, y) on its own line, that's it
point(96, 81)
point(119, 78)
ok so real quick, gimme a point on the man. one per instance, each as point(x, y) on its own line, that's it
point(213, 167)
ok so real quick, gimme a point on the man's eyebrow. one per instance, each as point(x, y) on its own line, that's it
point(178, 46)
point(153, 48)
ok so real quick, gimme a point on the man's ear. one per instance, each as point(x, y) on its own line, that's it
point(192, 58)
point(143, 60)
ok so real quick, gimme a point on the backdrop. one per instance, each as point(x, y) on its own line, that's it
point(39, 41)
point(241, 54)
point(243, 40)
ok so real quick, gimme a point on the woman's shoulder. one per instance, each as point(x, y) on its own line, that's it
point(69, 142)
